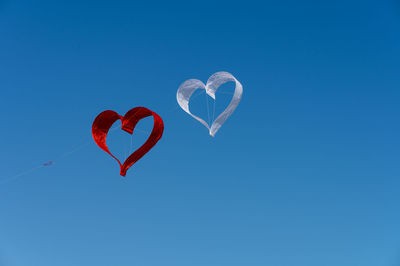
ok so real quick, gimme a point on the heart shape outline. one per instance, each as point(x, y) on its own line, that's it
point(187, 88)
point(103, 122)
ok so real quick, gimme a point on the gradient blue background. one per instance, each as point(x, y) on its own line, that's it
point(305, 172)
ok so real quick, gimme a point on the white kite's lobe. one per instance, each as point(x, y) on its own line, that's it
point(187, 88)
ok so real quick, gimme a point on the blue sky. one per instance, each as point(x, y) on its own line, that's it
point(304, 173)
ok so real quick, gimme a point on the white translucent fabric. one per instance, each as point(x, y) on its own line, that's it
point(188, 87)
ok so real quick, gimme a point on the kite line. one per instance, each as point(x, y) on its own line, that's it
point(83, 145)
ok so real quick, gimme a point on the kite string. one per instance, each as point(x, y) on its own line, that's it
point(65, 154)
point(213, 113)
point(81, 146)
point(129, 147)
point(208, 111)
point(215, 103)
point(5, 181)
point(58, 158)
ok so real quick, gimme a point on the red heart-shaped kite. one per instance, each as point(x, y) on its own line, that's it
point(106, 119)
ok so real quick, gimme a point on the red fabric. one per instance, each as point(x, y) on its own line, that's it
point(106, 119)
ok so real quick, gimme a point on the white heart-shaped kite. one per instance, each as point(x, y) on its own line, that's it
point(187, 88)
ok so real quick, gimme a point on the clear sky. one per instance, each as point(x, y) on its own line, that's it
point(304, 173)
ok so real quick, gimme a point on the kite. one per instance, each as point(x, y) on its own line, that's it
point(106, 119)
point(187, 88)
point(48, 163)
